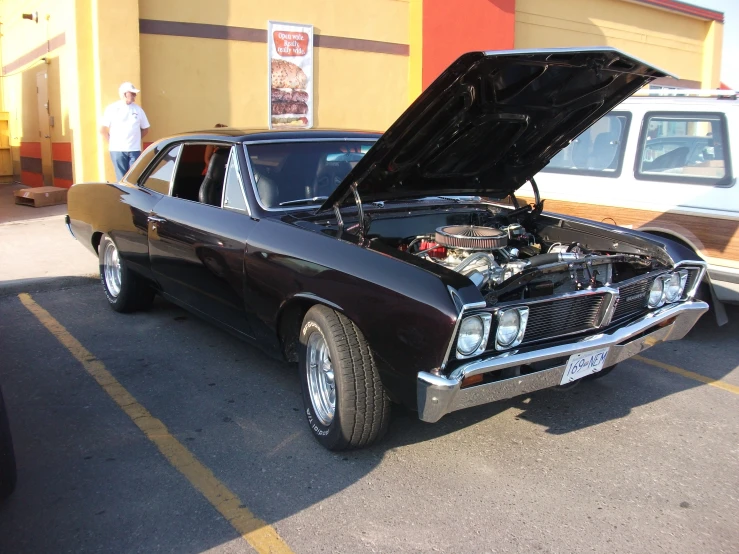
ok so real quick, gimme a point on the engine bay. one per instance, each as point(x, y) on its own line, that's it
point(515, 260)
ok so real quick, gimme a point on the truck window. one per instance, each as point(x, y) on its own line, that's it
point(597, 151)
point(683, 147)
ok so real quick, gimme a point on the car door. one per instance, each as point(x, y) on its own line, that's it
point(145, 184)
point(197, 249)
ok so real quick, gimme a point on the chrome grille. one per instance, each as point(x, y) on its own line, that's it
point(632, 298)
point(565, 316)
point(693, 275)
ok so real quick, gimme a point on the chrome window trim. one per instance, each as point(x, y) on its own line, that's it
point(233, 157)
point(338, 139)
point(246, 145)
point(176, 167)
point(149, 170)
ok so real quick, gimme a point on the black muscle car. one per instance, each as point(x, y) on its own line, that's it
point(401, 267)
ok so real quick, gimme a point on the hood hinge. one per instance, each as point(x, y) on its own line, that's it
point(360, 212)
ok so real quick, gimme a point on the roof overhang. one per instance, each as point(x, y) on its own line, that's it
point(682, 8)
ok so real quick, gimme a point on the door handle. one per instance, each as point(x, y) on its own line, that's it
point(155, 219)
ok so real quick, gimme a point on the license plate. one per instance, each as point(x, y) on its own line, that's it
point(583, 364)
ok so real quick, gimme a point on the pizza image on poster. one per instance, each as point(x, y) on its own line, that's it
point(290, 75)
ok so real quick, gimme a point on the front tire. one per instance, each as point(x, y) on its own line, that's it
point(600, 374)
point(345, 402)
point(125, 290)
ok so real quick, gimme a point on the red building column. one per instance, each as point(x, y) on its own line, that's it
point(452, 27)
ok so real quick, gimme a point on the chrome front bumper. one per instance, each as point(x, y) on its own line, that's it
point(439, 395)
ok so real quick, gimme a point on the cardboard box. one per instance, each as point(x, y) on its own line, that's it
point(39, 197)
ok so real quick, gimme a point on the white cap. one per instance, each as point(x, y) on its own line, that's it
point(127, 87)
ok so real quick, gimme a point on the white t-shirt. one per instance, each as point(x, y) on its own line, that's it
point(125, 122)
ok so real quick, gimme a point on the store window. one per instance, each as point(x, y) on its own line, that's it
point(683, 147)
point(597, 151)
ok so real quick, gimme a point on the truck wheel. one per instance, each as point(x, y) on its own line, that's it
point(125, 291)
point(344, 399)
point(7, 456)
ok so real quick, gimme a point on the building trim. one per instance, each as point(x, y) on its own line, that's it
point(247, 34)
point(31, 165)
point(683, 8)
point(674, 82)
point(63, 170)
point(52, 44)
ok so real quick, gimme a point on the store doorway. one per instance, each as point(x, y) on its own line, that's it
point(44, 127)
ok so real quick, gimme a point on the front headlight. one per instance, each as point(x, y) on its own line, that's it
point(657, 293)
point(473, 335)
point(511, 327)
point(470, 335)
point(675, 285)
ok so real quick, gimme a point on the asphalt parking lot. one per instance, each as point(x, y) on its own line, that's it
point(157, 432)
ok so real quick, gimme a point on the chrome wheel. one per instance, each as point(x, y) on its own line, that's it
point(112, 269)
point(321, 382)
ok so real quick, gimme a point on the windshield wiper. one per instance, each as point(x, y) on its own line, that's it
point(304, 201)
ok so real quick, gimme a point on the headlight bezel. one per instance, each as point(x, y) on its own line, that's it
point(682, 280)
point(661, 299)
point(663, 281)
point(523, 317)
point(486, 320)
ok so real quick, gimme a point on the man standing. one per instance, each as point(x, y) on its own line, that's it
point(124, 124)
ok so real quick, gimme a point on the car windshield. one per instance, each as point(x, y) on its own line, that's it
point(299, 174)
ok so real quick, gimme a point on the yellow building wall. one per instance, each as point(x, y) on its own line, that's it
point(98, 51)
point(19, 37)
point(674, 42)
point(193, 83)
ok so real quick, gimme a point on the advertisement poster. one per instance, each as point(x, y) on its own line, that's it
point(290, 53)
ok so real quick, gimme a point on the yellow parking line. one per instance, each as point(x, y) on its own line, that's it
point(261, 536)
point(689, 374)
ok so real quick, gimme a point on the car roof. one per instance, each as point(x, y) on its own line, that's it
point(250, 135)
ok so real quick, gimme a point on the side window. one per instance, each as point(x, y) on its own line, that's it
point(161, 176)
point(233, 196)
point(597, 151)
point(140, 165)
point(683, 147)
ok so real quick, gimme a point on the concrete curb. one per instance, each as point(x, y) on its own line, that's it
point(45, 284)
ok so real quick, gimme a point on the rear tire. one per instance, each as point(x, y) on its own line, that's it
point(8, 475)
point(345, 401)
point(125, 290)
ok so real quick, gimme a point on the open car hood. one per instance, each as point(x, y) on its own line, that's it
point(492, 121)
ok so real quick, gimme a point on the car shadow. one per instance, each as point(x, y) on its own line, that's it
point(241, 413)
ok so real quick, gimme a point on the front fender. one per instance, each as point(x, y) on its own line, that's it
point(405, 312)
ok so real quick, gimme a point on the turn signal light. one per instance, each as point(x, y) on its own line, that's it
point(667, 322)
point(471, 380)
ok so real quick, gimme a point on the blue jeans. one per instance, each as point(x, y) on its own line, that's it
point(122, 161)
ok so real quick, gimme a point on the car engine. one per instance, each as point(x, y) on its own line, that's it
point(492, 256)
